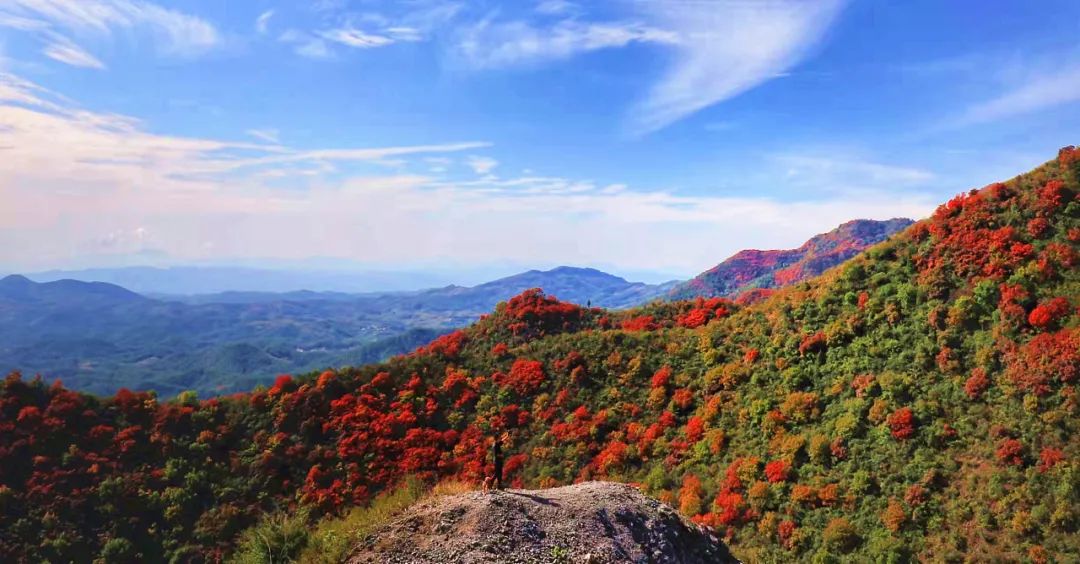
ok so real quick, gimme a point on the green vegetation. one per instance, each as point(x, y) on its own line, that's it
point(292, 537)
point(918, 402)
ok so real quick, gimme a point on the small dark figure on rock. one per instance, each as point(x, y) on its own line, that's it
point(494, 481)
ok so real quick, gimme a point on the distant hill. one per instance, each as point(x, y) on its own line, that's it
point(585, 286)
point(99, 337)
point(750, 269)
point(17, 289)
point(573, 284)
point(185, 280)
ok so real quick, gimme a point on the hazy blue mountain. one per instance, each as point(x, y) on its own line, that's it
point(19, 289)
point(577, 285)
point(216, 279)
point(99, 337)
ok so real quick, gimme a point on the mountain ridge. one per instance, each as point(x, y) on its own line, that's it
point(752, 269)
point(100, 337)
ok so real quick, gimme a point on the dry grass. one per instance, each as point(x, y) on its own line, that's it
point(333, 539)
point(451, 487)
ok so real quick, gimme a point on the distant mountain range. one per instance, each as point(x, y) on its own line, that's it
point(99, 337)
point(320, 277)
point(751, 269)
point(188, 280)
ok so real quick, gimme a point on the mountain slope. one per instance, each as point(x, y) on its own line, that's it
point(752, 269)
point(918, 402)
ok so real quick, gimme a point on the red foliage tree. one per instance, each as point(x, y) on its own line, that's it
point(661, 377)
point(1035, 365)
point(526, 375)
point(1068, 156)
point(533, 313)
point(1048, 313)
point(612, 456)
point(1010, 452)
point(690, 495)
point(777, 471)
point(750, 356)
point(448, 345)
point(693, 318)
point(729, 506)
point(813, 343)
point(754, 295)
point(976, 384)
point(695, 429)
point(1037, 227)
point(683, 397)
point(902, 423)
point(640, 323)
point(1050, 457)
point(785, 531)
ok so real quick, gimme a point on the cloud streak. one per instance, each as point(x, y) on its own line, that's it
point(262, 23)
point(68, 53)
point(1034, 93)
point(489, 44)
point(718, 49)
point(173, 32)
point(481, 165)
point(726, 49)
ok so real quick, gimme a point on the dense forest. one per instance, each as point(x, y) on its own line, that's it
point(919, 401)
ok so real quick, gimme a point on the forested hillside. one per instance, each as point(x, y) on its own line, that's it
point(920, 401)
point(754, 273)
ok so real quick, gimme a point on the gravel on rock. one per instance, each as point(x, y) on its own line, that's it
point(591, 522)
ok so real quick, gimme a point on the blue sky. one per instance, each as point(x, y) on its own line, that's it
point(629, 135)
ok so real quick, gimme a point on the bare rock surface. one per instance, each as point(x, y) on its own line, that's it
point(591, 522)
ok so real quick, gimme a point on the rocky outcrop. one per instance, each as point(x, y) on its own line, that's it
point(592, 522)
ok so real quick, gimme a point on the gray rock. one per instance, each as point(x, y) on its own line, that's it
point(592, 522)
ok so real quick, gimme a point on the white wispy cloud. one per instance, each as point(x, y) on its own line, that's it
point(262, 23)
point(172, 32)
point(22, 24)
point(356, 38)
point(481, 165)
point(404, 33)
point(72, 179)
point(727, 48)
point(306, 45)
point(269, 135)
point(557, 7)
point(67, 52)
point(1028, 94)
point(719, 48)
point(498, 44)
point(825, 168)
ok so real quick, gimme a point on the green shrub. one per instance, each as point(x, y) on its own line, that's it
point(279, 537)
